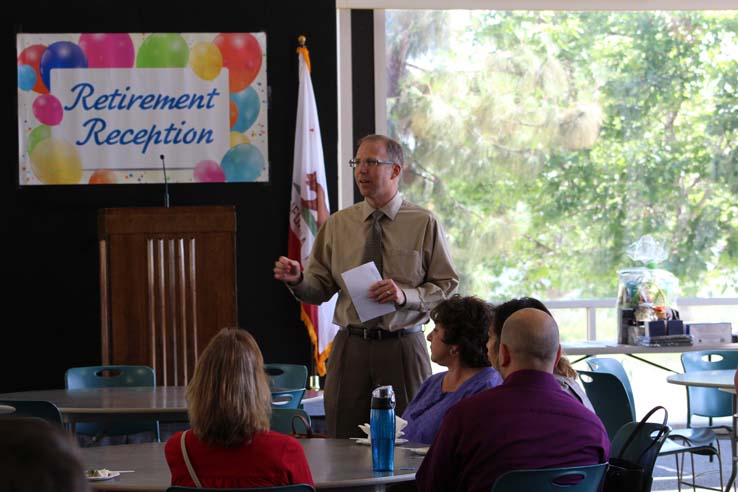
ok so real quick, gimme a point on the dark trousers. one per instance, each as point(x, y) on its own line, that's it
point(356, 366)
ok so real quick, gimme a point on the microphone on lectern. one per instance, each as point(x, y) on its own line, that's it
point(166, 181)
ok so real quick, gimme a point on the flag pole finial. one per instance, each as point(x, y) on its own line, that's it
point(301, 40)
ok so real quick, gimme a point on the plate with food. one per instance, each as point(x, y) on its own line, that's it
point(420, 451)
point(98, 474)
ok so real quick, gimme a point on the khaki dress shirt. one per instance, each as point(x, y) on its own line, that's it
point(414, 253)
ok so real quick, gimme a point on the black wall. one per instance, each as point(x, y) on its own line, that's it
point(50, 262)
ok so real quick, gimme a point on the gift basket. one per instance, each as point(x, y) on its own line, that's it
point(646, 308)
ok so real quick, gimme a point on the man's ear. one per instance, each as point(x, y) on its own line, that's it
point(396, 170)
point(558, 356)
point(504, 358)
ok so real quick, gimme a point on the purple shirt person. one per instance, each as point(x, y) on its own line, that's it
point(458, 341)
point(527, 422)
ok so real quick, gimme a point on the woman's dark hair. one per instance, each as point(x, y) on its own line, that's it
point(466, 322)
point(504, 310)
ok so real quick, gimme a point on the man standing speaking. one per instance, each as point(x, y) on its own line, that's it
point(407, 245)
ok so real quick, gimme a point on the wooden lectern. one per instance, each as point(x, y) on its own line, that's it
point(168, 284)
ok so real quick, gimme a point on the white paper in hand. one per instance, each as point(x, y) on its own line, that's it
point(358, 280)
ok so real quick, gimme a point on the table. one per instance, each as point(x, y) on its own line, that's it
point(589, 348)
point(163, 403)
point(715, 379)
point(336, 465)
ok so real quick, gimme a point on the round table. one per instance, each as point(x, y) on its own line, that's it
point(336, 465)
point(163, 403)
point(721, 380)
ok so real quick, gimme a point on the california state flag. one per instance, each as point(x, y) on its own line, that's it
point(309, 208)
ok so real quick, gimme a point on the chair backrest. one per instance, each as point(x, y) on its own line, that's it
point(615, 367)
point(281, 420)
point(708, 402)
point(609, 399)
point(287, 398)
point(287, 376)
point(109, 377)
point(112, 377)
point(567, 479)
point(299, 487)
point(32, 408)
point(638, 451)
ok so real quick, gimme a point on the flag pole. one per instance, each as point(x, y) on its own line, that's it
point(314, 380)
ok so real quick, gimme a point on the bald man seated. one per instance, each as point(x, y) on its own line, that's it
point(527, 422)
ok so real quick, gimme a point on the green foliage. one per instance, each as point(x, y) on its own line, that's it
point(547, 142)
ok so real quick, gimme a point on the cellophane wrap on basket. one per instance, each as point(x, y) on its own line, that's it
point(645, 293)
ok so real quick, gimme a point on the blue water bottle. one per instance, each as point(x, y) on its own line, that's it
point(382, 425)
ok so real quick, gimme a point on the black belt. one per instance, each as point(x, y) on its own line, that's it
point(377, 334)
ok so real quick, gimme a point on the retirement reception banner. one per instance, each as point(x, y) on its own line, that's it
point(109, 108)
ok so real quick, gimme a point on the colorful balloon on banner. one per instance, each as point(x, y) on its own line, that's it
point(238, 138)
point(55, 161)
point(208, 172)
point(242, 56)
point(48, 110)
point(111, 50)
point(31, 56)
point(38, 134)
point(61, 54)
point(163, 50)
point(103, 176)
point(248, 109)
point(206, 60)
point(26, 77)
point(243, 162)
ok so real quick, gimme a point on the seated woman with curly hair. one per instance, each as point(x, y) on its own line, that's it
point(458, 342)
point(229, 444)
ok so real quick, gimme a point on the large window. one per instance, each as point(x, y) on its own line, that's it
point(547, 142)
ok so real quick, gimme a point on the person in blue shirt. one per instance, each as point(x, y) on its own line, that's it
point(457, 342)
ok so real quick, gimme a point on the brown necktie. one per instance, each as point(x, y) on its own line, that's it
point(373, 245)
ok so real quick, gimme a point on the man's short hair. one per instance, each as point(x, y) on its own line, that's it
point(394, 149)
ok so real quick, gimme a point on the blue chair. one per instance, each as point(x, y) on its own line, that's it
point(112, 377)
point(709, 402)
point(32, 408)
point(287, 398)
point(565, 479)
point(286, 376)
point(282, 419)
point(300, 487)
point(613, 366)
point(612, 405)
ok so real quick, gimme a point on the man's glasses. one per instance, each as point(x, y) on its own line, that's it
point(370, 162)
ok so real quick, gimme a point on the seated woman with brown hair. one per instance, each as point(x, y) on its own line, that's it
point(458, 342)
point(229, 444)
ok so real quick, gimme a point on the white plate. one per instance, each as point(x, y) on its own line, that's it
point(366, 441)
point(420, 451)
point(112, 474)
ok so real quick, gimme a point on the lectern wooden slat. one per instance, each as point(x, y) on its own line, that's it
point(168, 284)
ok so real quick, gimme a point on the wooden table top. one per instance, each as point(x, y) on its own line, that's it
point(336, 464)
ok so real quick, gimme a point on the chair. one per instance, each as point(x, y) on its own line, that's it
point(299, 487)
point(281, 420)
point(287, 376)
point(552, 479)
point(643, 449)
point(613, 366)
point(32, 408)
point(113, 377)
point(709, 402)
point(611, 403)
point(287, 398)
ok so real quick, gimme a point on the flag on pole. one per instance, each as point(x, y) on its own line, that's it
point(309, 208)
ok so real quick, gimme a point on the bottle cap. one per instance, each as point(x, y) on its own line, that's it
point(383, 397)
